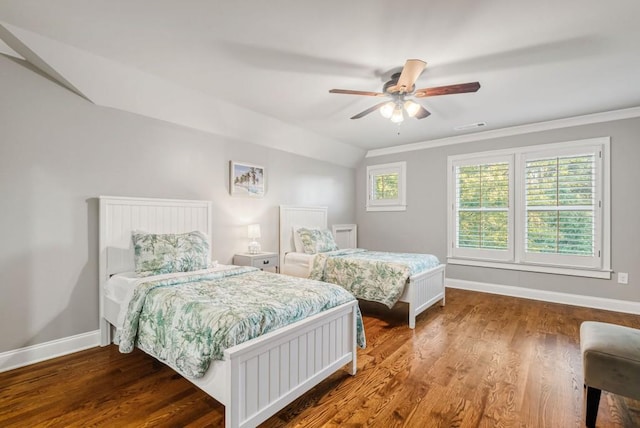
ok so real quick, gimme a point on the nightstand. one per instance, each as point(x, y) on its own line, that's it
point(259, 260)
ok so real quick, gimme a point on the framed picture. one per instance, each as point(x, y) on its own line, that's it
point(246, 179)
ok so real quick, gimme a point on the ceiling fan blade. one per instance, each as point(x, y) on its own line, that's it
point(410, 73)
point(447, 90)
point(369, 110)
point(422, 113)
point(350, 92)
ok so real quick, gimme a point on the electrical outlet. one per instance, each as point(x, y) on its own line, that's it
point(623, 278)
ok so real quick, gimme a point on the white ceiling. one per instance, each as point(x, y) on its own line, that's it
point(536, 60)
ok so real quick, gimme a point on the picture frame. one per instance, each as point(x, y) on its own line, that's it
point(246, 179)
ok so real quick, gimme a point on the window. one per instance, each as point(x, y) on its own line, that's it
point(482, 202)
point(541, 208)
point(386, 187)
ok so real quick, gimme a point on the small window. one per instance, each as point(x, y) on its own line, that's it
point(386, 187)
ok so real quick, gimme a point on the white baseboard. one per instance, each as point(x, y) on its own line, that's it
point(547, 296)
point(45, 351)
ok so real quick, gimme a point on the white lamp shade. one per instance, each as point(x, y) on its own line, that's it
point(411, 107)
point(254, 231)
point(397, 115)
point(387, 109)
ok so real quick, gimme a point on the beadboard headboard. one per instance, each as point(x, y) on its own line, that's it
point(291, 215)
point(119, 216)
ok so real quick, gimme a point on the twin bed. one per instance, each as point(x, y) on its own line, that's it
point(255, 378)
point(297, 333)
point(421, 285)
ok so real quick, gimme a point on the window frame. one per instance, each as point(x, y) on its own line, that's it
point(576, 261)
point(476, 253)
point(397, 204)
point(519, 260)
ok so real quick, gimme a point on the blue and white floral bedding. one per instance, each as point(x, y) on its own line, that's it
point(371, 275)
point(189, 319)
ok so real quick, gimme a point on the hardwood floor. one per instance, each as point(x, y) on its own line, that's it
point(481, 361)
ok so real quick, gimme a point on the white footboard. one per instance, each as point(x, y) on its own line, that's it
point(422, 291)
point(265, 375)
point(260, 377)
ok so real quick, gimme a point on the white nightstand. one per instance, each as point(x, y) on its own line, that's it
point(260, 260)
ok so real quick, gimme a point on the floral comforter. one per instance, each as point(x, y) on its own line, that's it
point(186, 321)
point(371, 275)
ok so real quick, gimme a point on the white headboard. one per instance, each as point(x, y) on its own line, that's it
point(346, 235)
point(119, 216)
point(290, 216)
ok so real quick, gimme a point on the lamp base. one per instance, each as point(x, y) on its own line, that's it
point(254, 247)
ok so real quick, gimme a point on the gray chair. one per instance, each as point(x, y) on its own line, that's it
point(611, 362)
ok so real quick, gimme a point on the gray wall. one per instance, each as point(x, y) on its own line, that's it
point(58, 152)
point(423, 227)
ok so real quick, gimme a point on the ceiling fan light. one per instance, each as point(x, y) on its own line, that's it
point(387, 109)
point(397, 116)
point(411, 107)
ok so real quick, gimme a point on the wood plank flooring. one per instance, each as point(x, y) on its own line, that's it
point(481, 361)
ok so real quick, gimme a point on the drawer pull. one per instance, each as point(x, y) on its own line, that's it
point(265, 262)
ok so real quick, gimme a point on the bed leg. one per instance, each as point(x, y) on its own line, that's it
point(444, 289)
point(105, 332)
point(353, 367)
point(353, 320)
point(412, 314)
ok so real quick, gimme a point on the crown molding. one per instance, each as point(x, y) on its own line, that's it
point(514, 130)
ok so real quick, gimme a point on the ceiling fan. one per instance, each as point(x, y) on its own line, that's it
point(401, 86)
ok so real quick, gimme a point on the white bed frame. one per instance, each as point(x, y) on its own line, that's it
point(422, 290)
point(258, 378)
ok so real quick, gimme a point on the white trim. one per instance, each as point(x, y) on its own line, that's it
point(387, 208)
point(605, 176)
point(597, 266)
point(562, 145)
point(45, 351)
point(548, 296)
point(587, 273)
point(588, 119)
point(505, 255)
point(595, 147)
point(398, 204)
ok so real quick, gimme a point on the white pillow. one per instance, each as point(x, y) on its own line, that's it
point(316, 240)
point(297, 241)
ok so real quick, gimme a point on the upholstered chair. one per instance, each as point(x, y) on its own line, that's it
point(611, 362)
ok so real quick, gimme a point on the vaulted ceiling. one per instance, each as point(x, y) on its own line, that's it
point(272, 63)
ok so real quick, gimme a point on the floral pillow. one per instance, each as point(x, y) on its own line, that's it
point(156, 254)
point(316, 240)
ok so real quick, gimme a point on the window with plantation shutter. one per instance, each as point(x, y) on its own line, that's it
point(562, 202)
point(482, 201)
point(538, 208)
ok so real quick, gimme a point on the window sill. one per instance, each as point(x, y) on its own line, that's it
point(386, 207)
point(587, 273)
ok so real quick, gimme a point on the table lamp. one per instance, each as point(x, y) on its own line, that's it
point(254, 233)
